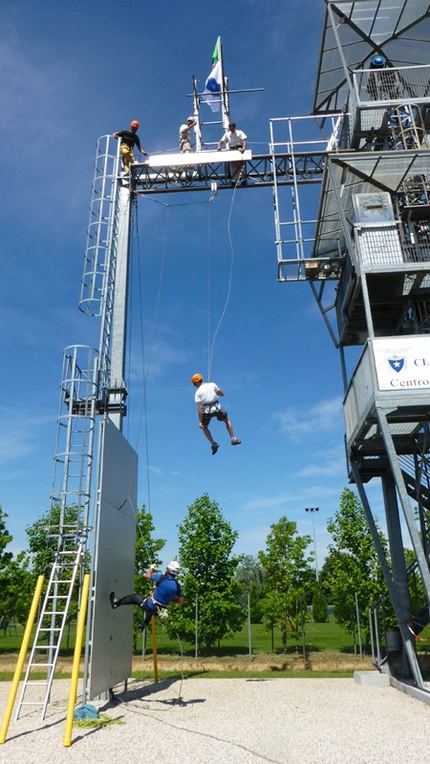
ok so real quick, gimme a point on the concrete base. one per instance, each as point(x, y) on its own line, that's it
point(372, 678)
point(412, 690)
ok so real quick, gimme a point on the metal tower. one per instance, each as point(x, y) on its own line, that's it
point(368, 264)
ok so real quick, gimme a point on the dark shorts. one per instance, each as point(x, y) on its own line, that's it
point(221, 415)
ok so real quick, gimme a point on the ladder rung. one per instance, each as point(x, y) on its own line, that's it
point(36, 683)
point(31, 703)
point(40, 664)
point(57, 596)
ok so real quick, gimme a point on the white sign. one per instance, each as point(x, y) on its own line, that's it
point(402, 363)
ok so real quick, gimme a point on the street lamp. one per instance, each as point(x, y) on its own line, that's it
point(312, 510)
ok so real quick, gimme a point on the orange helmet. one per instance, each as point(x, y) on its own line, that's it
point(196, 378)
point(134, 123)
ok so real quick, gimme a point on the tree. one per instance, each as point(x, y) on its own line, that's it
point(250, 575)
point(206, 541)
point(354, 566)
point(287, 571)
point(319, 608)
point(43, 546)
point(15, 581)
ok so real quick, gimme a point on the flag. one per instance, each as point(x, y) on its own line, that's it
point(213, 84)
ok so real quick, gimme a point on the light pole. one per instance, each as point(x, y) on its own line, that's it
point(312, 510)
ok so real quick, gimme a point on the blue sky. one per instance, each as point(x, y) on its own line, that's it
point(72, 72)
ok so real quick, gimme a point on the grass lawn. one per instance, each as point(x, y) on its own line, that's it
point(328, 651)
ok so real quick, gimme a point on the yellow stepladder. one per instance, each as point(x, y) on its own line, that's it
point(21, 658)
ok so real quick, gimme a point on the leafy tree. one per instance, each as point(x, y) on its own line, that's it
point(354, 566)
point(319, 608)
point(287, 571)
point(42, 545)
point(5, 539)
point(206, 541)
point(15, 581)
point(250, 575)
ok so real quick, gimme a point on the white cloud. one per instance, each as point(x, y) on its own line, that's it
point(266, 502)
point(19, 434)
point(325, 416)
point(329, 463)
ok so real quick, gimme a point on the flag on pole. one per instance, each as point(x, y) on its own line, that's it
point(213, 84)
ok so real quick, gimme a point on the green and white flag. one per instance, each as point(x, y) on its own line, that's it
point(213, 84)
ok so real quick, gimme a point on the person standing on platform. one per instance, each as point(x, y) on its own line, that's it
point(235, 140)
point(185, 139)
point(129, 139)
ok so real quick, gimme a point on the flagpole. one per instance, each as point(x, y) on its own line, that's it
point(197, 128)
point(225, 102)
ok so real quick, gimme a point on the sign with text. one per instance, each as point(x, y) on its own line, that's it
point(402, 363)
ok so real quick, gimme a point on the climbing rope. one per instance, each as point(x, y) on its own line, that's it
point(420, 639)
point(230, 280)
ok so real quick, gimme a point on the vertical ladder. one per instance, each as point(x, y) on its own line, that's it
point(50, 627)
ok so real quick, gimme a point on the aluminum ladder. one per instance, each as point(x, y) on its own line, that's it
point(51, 623)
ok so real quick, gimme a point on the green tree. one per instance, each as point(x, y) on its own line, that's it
point(354, 566)
point(287, 571)
point(42, 546)
point(319, 608)
point(15, 580)
point(206, 542)
point(250, 575)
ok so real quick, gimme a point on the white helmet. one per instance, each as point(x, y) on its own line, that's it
point(173, 567)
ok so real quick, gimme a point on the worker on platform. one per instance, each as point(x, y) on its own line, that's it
point(208, 406)
point(129, 139)
point(185, 139)
point(235, 140)
point(167, 589)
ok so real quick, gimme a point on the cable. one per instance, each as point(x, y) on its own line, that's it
point(143, 411)
point(210, 356)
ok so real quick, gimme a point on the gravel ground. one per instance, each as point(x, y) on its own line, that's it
point(230, 721)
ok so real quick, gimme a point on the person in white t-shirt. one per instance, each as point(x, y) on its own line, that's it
point(208, 406)
point(235, 140)
point(185, 139)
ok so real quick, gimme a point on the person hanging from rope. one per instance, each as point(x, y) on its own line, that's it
point(185, 139)
point(208, 406)
point(235, 141)
point(167, 589)
point(129, 139)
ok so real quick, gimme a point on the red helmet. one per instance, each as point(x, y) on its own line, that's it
point(134, 123)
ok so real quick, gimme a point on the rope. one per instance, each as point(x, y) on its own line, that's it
point(210, 354)
point(420, 639)
point(209, 295)
point(143, 411)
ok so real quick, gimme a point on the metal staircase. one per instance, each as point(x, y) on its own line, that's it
point(50, 628)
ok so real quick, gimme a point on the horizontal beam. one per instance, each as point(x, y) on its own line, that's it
point(199, 174)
